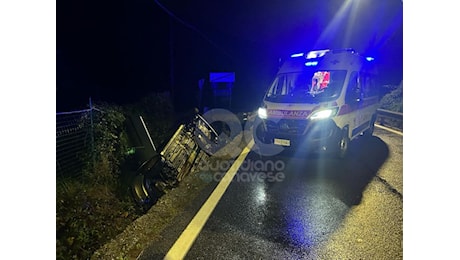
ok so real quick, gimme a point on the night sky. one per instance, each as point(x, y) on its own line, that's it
point(119, 51)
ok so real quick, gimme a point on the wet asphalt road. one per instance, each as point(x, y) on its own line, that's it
point(305, 207)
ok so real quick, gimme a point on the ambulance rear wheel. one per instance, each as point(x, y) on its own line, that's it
point(369, 132)
point(343, 144)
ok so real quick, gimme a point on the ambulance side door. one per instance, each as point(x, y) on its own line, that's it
point(369, 98)
point(354, 98)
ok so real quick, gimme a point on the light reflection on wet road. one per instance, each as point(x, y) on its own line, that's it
point(315, 208)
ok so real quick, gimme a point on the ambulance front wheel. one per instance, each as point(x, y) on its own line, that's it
point(343, 145)
point(260, 135)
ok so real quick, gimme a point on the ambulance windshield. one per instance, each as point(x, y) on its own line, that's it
point(306, 86)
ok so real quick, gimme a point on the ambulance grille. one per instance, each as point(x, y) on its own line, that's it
point(287, 126)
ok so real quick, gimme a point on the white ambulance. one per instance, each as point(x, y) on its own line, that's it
point(319, 101)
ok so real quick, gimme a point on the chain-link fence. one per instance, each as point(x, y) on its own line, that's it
point(74, 141)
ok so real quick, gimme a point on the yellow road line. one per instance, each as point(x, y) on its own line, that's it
point(191, 232)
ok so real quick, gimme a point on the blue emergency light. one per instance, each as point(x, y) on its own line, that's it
point(311, 63)
point(295, 55)
point(316, 54)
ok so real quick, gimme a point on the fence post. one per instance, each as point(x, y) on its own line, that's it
point(92, 130)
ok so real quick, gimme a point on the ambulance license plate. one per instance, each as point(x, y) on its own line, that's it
point(282, 142)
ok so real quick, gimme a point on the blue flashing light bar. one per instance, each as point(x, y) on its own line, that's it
point(295, 55)
point(316, 54)
point(369, 58)
point(311, 63)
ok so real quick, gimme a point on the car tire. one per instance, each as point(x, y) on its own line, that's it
point(144, 191)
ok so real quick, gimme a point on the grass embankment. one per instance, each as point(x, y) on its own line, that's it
point(96, 206)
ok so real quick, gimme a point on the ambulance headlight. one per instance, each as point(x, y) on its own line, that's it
point(262, 112)
point(323, 114)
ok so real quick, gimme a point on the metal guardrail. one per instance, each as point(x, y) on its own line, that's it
point(390, 118)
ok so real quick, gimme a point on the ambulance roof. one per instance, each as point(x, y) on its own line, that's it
point(343, 59)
